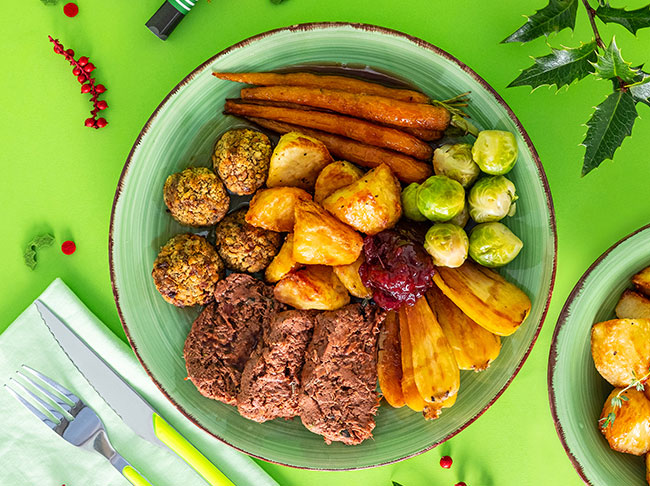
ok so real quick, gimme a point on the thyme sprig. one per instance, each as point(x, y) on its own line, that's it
point(459, 118)
point(618, 399)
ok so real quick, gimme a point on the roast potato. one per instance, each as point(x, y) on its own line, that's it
point(484, 296)
point(410, 391)
point(620, 348)
point(630, 430)
point(273, 209)
point(435, 369)
point(313, 287)
point(333, 177)
point(297, 160)
point(642, 281)
point(283, 263)
point(349, 276)
point(474, 347)
point(633, 305)
point(389, 361)
point(371, 204)
point(321, 239)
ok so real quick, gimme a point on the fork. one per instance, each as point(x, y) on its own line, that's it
point(71, 418)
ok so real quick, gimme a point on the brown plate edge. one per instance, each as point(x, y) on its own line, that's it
point(552, 357)
point(370, 28)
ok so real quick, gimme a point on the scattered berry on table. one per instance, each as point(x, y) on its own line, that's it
point(462, 483)
point(70, 9)
point(68, 247)
point(446, 461)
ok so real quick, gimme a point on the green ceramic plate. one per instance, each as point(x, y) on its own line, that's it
point(182, 132)
point(576, 391)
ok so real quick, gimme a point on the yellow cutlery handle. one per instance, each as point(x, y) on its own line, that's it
point(134, 477)
point(177, 443)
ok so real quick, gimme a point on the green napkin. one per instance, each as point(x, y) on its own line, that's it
point(31, 454)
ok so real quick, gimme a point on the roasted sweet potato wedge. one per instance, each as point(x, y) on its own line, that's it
point(630, 430)
point(474, 347)
point(633, 305)
point(621, 348)
point(313, 287)
point(389, 361)
point(283, 263)
point(484, 296)
point(333, 177)
point(410, 391)
point(297, 160)
point(642, 281)
point(435, 369)
point(321, 239)
point(273, 209)
point(371, 204)
point(349, 276)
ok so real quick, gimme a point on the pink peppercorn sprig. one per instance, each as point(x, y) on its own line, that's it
point(82, 69)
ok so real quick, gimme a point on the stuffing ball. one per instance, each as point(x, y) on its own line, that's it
point(241, 158)
point(196, 197)
point(187, 270)
point(244, 247)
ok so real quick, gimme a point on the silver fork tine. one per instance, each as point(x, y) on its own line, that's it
point(44, 418)
point(48, 406)
point(48, 393)
point(60, 388)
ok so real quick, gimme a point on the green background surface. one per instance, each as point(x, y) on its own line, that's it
point(60, 177)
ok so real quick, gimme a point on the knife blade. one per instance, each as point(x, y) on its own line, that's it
point(134, 410)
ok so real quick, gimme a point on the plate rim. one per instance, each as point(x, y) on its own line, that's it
point(553, 356)
point(304, 27)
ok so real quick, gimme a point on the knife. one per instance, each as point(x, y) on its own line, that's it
point(141, 417)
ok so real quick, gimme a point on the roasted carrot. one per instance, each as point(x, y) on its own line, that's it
point(421, 133)
point(310, 80)
point(389, 361)
point(370, 107)
point(407, 169)
point(360, 130)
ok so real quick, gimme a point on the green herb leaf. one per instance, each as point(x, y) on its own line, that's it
point(49, 2)
point(632, 20)
point(616, 402)
point(33, 246)
point(640, 386)
point(395, 483)
point(557, 15)
point(560, 68)
point(611, 65)
point(609, 125)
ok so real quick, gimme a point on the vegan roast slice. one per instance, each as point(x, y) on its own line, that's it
point(270, 383)
point(225, 334)
point(339, 398)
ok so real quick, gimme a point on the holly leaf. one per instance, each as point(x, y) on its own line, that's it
point(641, 91)
point(557, 15)
point(561, 67)
point(395, 483)
point(611, 65)
point(30, 253)
point(632, 20)
point(609, 125)
point(49, 2)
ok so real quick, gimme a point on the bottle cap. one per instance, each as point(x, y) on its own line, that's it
point(168, 16)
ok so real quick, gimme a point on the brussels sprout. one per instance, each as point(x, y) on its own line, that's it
point(447, 244)
point(440, 198)
point(461, 218)
point(493, 244)
point(455, 162)
point(491, 199)
point(495, 151)
point(409, 202)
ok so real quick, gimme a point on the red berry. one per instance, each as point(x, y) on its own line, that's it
point(81, 78)
point(85, 88)
point(70, 9)
point(100, 88)
point(76, 71)
point(445, 461)
point(68, 247)
point(101, 123)
point(89, 68)
point(70, 52)
point(101, 105)
point(83, 60)
point(90, 122)
point(462, 483)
